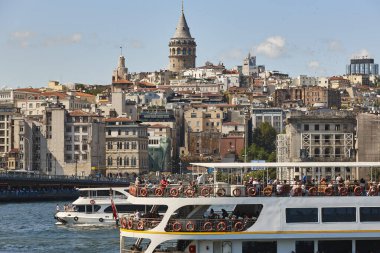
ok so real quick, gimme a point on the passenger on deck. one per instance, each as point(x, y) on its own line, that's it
point(137, 215)
point(279, 188)
point(211, 215)
point(163, 183)
point(224, 214)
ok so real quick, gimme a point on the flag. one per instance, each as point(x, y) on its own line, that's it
point(114, 210)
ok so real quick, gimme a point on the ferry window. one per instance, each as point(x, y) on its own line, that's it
point(304, 246)
point(339, 214)
point(369, 214)
point(306, 127)
point(255, 246)
point(295, 215)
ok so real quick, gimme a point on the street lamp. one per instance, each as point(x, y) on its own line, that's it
point(30, 154)
point(180, 167)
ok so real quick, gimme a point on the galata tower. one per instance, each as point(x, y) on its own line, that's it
point(182, 47)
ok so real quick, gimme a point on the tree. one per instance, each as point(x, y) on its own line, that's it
point(264, 144)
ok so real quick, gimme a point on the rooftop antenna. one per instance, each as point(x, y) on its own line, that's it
point(182, 6)
point(121, 50)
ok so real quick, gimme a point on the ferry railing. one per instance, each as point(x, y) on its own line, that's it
point(191, 225)
point(255, 190)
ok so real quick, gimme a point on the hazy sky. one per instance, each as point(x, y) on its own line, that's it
point(78, 41)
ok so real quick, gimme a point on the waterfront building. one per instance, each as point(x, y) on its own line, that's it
point(182, 47)
point(7, 114)
point(318, 136)
point(126, 146)
point(61, 142)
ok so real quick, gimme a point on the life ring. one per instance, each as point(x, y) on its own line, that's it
point(329, 191)
point(236, 192)
point(92, 202)
point(358, 191)
point(251, 191)
point(313, 191)
point(140, 225)
point(190, 226)
point(207, 226)
point(159, 192)
point(221, 192)
point(343, 191)
point(143, 192)
point(101, 219)
point(174, 192)
point(205, 192)
point(177, 226)
point(76, 218)
point(189, 193)
point(372, 191)
point(268, 191)
point(124, 223)
point(130, 224)
point(238, 226)
point(221, 226)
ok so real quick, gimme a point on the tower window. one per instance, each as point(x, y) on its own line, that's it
point(178, 51)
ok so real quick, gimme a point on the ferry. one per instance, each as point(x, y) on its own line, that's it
point(94, 207)
point(232, 216)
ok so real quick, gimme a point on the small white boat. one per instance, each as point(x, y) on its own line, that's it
point(94, 207)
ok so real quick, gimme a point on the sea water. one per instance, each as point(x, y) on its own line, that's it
point(30, 227)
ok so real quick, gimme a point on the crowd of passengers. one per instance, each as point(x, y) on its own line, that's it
point(291, 188)
point(278, 187)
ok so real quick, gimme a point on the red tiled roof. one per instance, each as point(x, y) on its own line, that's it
point(82, 94)
point(54, 93)
point(118, 120)
point(122, 81)
point(29, 90)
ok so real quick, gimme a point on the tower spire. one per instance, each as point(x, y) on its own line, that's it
point(182, 6)
point(121, 50)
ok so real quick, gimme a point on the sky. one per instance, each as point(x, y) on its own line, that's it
point(79, 41)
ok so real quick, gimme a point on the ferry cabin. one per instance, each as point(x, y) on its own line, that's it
point(260, 222)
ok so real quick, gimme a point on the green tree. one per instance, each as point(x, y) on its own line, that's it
point(264, 144)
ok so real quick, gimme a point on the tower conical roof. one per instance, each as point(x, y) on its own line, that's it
point(182, 31)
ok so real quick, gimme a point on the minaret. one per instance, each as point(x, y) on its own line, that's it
point(121, 73)
point(182, 47)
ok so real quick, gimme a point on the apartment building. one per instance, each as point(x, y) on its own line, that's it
point(126, 147)
point(317, 136)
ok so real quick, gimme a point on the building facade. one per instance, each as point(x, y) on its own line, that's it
point(126, 147)
point(318, 136)
point(364, 66)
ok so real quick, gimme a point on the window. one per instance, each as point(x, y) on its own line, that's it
point(68, 147)
point(339, 214)
point(76, 147)
point(84, 157)
point(327, 127)
point(109, 161)
point(337, 127)
point(109, 132)
point(306, 127)
point(369, 214)
point(109, 145)
point(119, 132)
point(193, 115)
point(84, 147)
point(84, 129)
point(295, 215)
point(126, 161)
point(76, 129)
point(68, 129)
point(316, 127)
point(304, 246)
